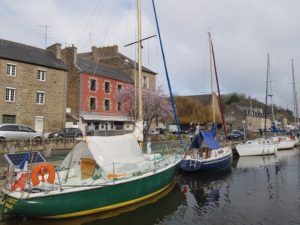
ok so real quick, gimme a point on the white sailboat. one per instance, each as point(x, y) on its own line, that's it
point(260, 146)
point(288, 141)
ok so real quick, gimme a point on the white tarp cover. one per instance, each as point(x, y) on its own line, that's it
point(106, 150)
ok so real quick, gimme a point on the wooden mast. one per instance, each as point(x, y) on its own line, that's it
point(211, 77)
point(140, 100)
point(219, 93)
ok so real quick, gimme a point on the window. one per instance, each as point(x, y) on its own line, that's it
point(10, 128)
point(11, 70)
point(10, 94)
point(96, 126)
point(92, 103)
point(93, 85)
point(25, 129)
point(107, 87)
point(40, 98)
point(119, 87)
point(119, 106)
point(41, 76)
point(9, 119)
point(145, 82)
point(107, 104)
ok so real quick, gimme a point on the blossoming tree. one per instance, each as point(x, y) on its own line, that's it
point(155, 105)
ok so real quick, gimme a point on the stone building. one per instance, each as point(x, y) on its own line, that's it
point(92, 91)
point(110, 56)
point(252, 119)
point(33, 84)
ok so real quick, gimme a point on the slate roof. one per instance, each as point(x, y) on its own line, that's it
point(28, 54)
point(86, 66)
point(131, 62)
point(134, 64)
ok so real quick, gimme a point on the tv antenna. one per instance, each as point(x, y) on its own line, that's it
point(45, 34)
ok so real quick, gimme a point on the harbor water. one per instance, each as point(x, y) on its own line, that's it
point(256, 190)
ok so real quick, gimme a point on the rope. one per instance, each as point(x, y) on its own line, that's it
point(167, 75)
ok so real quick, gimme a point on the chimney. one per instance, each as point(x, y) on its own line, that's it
point(69, 55)
point(74, 53)
point(56, 50)
point(104, 52)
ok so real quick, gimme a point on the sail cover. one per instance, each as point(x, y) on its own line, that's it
point(106, 150)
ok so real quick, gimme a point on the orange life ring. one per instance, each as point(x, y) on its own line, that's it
point(40, 169)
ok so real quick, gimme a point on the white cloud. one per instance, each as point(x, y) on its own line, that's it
point(243, 32)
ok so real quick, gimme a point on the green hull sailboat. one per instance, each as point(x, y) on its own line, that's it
point(99, 174)
point(93, 181)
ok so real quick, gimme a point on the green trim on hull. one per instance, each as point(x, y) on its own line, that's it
point(94, 200)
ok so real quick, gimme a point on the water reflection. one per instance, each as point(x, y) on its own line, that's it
point(257, 190)
point(204, 191)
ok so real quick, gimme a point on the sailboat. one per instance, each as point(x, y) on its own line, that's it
point(287, 141)
point(262, 146)
point(99, 174)
point(212, 156)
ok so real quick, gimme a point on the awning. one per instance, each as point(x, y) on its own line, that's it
point(106, 118)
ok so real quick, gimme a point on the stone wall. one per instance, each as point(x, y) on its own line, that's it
point(69, 57)
point(26, 85)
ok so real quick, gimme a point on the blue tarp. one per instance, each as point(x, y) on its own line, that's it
point(207, 136)
point(277, 130)
point(213, 130)
point(210, 140)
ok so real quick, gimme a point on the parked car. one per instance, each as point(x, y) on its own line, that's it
point(18, 132)
point(235, 135)
point(67, 133)
point(153, 132)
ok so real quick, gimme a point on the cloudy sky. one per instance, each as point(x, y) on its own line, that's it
point(243, 33)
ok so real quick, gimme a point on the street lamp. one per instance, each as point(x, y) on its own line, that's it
point(244, 122)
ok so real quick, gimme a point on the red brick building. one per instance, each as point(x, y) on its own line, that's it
point(92, 94)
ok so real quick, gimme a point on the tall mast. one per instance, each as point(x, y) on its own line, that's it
point(270, 94)
point(219, 93)
point(267, 84)
point(211, 78)
point(295, 96)
point(140, 101)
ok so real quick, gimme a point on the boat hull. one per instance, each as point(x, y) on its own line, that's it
point(246, 150)
point(93, 200)
point(285, 145)
point(193, 165)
